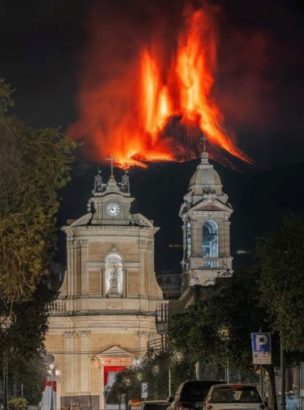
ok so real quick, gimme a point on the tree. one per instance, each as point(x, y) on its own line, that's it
point(153, 370)
point(126, 387)
point(34, 165)
point(24, 343)
point(218, 328)
point(17, 404)
point(281, 260)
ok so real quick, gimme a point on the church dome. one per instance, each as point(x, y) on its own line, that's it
point(205, 176)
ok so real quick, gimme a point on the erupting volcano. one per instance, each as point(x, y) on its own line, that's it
point(153, 110)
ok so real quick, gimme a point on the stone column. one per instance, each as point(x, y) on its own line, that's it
point(221, 238)
point(142, 276)
point(70, 267)
point(77, 275)
point(196, 239)
point(73, 269)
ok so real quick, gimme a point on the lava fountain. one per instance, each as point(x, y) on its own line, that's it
point(151, 112)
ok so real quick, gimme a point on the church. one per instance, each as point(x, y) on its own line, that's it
point(104, 317)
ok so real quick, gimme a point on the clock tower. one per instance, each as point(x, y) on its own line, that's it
point(103, 318)
point(205, 214)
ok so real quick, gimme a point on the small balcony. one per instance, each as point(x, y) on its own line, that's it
point(219, 263)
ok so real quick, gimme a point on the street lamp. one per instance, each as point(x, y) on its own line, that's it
point(176, 358)
point(155, 371)
point(223, 333)
point(53, 374)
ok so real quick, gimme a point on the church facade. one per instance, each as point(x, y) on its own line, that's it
point(104, 316)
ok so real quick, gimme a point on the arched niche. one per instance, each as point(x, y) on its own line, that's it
point(113, 275)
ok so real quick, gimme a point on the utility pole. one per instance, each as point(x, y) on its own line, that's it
point(262, 380)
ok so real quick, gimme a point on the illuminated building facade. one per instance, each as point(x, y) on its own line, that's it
point(103, 317)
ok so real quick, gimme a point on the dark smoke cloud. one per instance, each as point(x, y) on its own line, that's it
point(244, 89)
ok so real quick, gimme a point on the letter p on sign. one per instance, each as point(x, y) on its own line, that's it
point(261, 342)
point(261, 348)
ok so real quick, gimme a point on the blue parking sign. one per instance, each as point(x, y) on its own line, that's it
point(261, 348)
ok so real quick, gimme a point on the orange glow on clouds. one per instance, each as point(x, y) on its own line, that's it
point(128, 116)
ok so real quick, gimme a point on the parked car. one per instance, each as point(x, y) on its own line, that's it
point(154, 405)
point(191, 394)
point(233, 397)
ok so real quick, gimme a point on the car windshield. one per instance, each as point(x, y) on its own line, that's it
point(235, 394)
point(196, 391)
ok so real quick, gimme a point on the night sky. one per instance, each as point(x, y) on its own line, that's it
point(259, 87)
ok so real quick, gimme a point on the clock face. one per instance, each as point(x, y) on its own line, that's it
point(112, 209)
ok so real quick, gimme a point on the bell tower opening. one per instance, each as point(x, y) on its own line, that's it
point(210, 239)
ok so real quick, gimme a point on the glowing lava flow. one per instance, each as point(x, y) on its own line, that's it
point(196, 60)
point(129, 119)
point(155, 102)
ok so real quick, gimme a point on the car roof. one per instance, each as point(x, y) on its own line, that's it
point(155, 401)
point(201, 382)
point(233, 385)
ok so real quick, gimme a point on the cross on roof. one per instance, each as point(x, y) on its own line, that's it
point(204, 140)
point(111, 159)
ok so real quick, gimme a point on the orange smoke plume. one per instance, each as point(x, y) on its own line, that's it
point(139, 114)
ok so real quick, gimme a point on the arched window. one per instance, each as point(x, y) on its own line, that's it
point(113, 275)
point(210, 239)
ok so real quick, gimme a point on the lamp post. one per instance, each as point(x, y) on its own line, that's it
point(223, 333)
point(155, 371)
point(53, 374)
point(177, 357)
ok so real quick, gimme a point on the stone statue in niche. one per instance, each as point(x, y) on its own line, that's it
point(113, 275)
point(113, 280)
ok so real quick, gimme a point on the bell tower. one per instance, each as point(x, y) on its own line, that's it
point(205, 214)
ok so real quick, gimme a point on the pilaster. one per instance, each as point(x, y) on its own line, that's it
point(84, 270)
point(84, 360)
point(69, 361)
